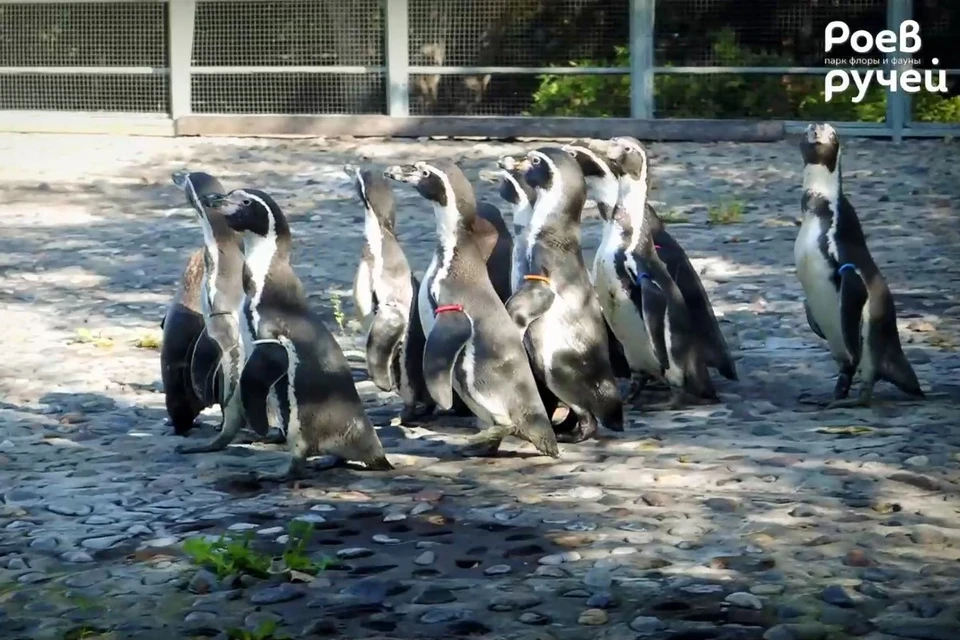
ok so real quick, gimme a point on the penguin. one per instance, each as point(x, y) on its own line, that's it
point(472, 345)
point(191, 358)
point(294, 367)
point(640, 299)
point(183, 337)
point(556, 306)
point(603, 187)
point(491, 234)
point(520, 197)
point(385, 287)
point(847, 300)
point(221, 295)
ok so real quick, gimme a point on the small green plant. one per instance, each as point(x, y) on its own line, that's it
point(231, 556)
point(266, 631)
point(227, 556)
point(295, 554)
point(725, 213)
point(338, 314)
point(670, 215)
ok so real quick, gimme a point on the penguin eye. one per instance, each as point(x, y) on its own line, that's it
point(573, 154)
point(246, 203)
point(535, 160)
point(424, 173)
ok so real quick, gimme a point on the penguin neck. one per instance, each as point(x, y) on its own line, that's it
point(374, 232)
point(551, 216)
point(265, 254)
point(630, 213)
point(453, 237)
point(604, 191)
point(819, 180)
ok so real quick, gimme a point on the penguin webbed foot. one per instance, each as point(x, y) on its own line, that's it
point(637, 385)
point(411, 414)
point(584, 429)
point(485, 444)
point(275, 436)
point(217, 444)
point(295, 469)
point(675, 403)
point(864, 400)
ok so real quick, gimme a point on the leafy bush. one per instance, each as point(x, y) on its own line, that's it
point(725, 95)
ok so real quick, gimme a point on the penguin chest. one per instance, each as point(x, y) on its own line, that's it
point(518, 265)
point(557, 333)
point(623, 316)
point(424, 307)
point(471, 381)
point(816, 278)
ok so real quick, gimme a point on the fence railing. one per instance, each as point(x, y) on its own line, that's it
point(686, 69)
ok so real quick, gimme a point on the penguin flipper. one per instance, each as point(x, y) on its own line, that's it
point(649, 297)
point(486, 236)
point(810, 321)
point(621, 368)
point(853, 295)
point(449, 336)
point(265, 367)
point(204, 367)
point(383, 344)
point(531, 301)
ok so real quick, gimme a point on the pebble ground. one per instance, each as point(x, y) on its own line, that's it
point(762, 517)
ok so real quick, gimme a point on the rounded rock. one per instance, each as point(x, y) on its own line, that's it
point(593, 617)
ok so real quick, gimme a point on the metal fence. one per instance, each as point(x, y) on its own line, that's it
point(667, 68)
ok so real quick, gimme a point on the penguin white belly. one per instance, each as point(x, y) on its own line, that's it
point(424, 308)
point(559, 333)
point(624, 318)
point(815, 274)
point(483, 400)
point(519, 262)
point(673, 373)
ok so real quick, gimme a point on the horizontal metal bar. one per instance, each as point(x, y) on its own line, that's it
point(759, 70)
point(560, 71)
point(84, 71)
point(878, 130)
point(239, 70)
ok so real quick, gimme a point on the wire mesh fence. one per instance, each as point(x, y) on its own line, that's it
point(127, 42)
point(716, 59)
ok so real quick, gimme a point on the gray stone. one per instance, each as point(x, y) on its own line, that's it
point(68, 508)
point(514, 602)
point(440, 615)
point(744, 600)
point(203, 581)
point(837, 595)
point(87, 578)
point(534, 618)
point(102, 543)
point(497, 570)
point(647, 625)
point(917, 628)
point(434, 595)
point(275, 595)
point(560, 558)
point(426, 558)
point(354, 552)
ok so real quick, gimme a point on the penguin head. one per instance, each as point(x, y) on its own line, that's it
point(820, 145)
point(250, 212)
point(443, 184)
point(630, 156)
point(196, 185)
point(516, 191)
point(375, 193)
point(601, 175)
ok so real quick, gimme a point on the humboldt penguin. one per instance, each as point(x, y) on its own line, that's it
point(642, 303)
point(384, 288)
point(602, 186)
point(472, 346)
point(556, 306)
point(294, 367)
point(192, 354)
point(221, 297)
point(848, 302)
point(520, 198)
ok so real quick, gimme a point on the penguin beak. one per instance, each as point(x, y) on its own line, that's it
point(490, 175)
point(402, 173)
point(215, 200)
point(180, 178)
point(514, 163)
point(616, 150)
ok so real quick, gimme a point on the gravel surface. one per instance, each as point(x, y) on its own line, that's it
point(761, 517)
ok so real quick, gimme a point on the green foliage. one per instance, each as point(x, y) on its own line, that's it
point(725, 213)
point(726, 95)
point(227, 556)
point(266, 631)
point(231, 556)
